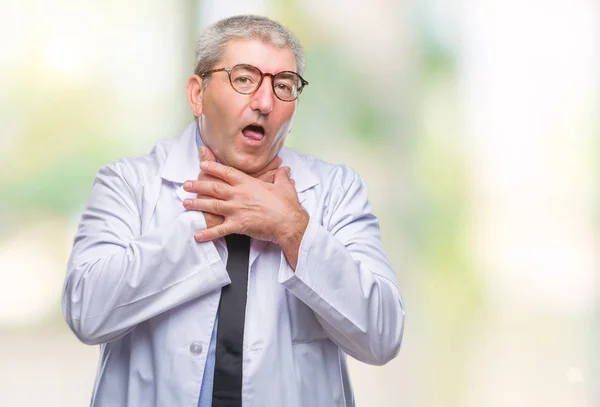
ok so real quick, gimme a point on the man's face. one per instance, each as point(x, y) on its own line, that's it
point(247, 131)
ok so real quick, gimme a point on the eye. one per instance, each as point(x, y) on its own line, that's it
point(243, 80)
point(284, 88)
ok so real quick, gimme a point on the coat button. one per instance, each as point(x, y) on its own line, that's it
point(196, 348)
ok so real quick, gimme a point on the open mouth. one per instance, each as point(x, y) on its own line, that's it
point(254, 132)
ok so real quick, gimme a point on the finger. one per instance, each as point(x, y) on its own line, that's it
point(211, 205)
point(282, 176)
point(267, 176)
point(228, 174)
point(214, 233)
point(205, 177)
point(273, 165)
point(217, 189)
point(206, 154)
point(212, 220)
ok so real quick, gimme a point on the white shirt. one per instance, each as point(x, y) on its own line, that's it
point(142, 287)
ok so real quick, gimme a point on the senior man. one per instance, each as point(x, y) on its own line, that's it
point(224, 269)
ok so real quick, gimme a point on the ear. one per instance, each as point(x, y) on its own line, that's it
point(195, 91)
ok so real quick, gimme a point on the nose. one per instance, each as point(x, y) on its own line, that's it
point(263, 97)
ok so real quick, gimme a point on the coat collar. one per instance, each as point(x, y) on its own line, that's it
point(183, 163)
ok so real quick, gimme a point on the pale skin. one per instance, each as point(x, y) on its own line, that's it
point(247, 192)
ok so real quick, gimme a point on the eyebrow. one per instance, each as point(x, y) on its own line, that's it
point(286, 75)
point(246, 67)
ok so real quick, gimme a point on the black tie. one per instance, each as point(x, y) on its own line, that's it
point(227, 386)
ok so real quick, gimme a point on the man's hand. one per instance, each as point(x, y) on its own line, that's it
point(250, 206)
point(206, 154)
point(211, 219)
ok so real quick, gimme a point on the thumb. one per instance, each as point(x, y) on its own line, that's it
point(282, 176)
point(206, 154)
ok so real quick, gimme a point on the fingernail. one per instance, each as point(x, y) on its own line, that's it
point(288, 171)
point(204, 165)
point(198, 236)
point(187, 202)
point(187, 185)
point(202, 151)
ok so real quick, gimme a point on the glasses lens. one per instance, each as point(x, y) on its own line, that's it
point(286, 85)
point(245, 78)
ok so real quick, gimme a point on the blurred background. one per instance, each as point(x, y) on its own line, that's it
point(475, 124)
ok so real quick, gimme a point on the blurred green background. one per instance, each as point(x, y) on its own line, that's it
point(475, 125)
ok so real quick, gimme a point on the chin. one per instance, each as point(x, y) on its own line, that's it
point(249, 164)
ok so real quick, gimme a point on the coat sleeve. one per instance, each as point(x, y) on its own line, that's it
point(117, 278)
point(345, 277)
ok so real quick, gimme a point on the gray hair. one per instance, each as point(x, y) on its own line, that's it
point(213, 41)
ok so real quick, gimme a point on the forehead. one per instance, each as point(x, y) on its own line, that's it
point(266, 57)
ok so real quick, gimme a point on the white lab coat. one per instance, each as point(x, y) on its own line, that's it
point(142, 287)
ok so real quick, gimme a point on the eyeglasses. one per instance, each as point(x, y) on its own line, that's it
point(246, 79)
